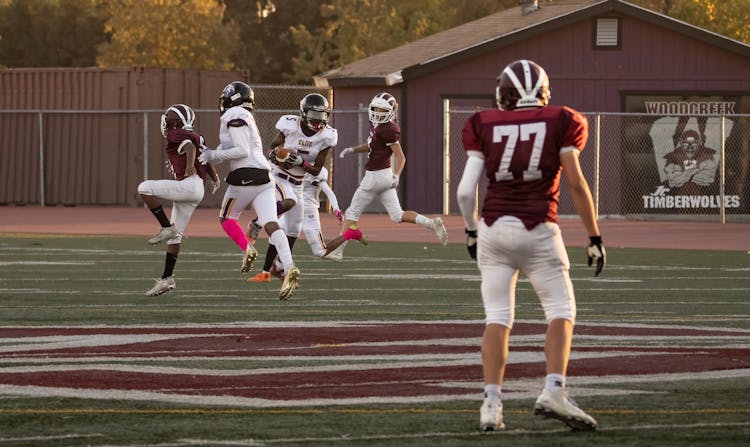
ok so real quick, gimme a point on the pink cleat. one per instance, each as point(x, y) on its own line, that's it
point(353, 233)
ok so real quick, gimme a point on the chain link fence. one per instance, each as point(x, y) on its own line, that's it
point(645, 167)
point(639, 167)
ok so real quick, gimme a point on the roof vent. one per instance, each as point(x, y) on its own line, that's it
point(528, 6)
point(606, 32)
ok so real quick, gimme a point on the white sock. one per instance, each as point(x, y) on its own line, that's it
point(278, 238)
point(424, 221)
point(554, 382)
point(492, 393)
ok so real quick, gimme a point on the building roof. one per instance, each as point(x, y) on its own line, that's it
point(496, 31)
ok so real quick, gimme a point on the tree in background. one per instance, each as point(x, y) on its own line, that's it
point(730, 18)
point(277, 41)
point(266, 48)
point(167, 34)
point(50, 33)
point(354, 29)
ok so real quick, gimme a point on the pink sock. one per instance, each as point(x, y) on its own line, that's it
point(234, 231)
point(351, 233)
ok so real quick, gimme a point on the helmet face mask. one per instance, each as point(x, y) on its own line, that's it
point(523, 83)
point(177, 116)
point(236, 93)
point(314, 111)
point(382, 108)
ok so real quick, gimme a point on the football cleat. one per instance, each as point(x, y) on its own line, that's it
point(336, 255)
point(164, 234)
point(491, 417)
point(439, 228)
point(253, 231)
point(249, 258)
point(290, 283)
point(557, 405)
point(260, 277)
point(163, 285)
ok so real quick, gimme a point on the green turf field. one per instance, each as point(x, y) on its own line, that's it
point(100, 282)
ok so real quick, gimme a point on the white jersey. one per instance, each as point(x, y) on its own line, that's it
point(240, 140)
point(307, 147)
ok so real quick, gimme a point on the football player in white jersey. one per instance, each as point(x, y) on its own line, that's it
point(249, 180)
point(312, 186)
point(300, 147)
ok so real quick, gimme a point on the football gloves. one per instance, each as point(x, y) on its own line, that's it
point(295, 160)
point(394, 181)
point(346, 151)
point(595, 251)
point(206, 156)
point(339, 215)
point(471, 243)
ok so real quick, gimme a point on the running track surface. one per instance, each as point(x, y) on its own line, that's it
point(138, 221)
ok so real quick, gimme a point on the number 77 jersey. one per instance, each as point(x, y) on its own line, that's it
point(521, 151)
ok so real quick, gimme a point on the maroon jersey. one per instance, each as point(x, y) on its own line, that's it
point(175, 138)
point(379, 141)
point(521, 152)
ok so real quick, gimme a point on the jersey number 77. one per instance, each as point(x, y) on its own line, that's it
point(534, 132)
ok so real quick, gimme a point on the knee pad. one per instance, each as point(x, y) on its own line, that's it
point(503, 318)
point(396, 215)
point(561, 311)
point(146, 187)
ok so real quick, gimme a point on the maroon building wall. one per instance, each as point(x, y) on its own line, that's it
point(651, 59)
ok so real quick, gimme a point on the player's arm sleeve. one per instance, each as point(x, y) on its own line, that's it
point(330, 195)
point(241, 139)
point(467, 189)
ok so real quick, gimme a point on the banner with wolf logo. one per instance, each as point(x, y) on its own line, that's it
point(678, 160)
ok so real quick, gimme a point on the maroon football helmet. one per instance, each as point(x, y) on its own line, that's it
point(178, 116)
point(523, 83)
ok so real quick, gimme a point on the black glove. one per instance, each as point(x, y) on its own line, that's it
point(471, 243)
point(595, 250)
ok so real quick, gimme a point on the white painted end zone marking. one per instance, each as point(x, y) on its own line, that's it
point(529, 390)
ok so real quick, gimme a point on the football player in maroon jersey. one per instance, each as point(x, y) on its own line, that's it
point(185, 190)
point(380, 180)
point(522, 147)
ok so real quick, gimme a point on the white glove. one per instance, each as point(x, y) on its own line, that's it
point(394, 184)
point(346, 151)
point(206, 156)
point(215, 184)
point(295, 160)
